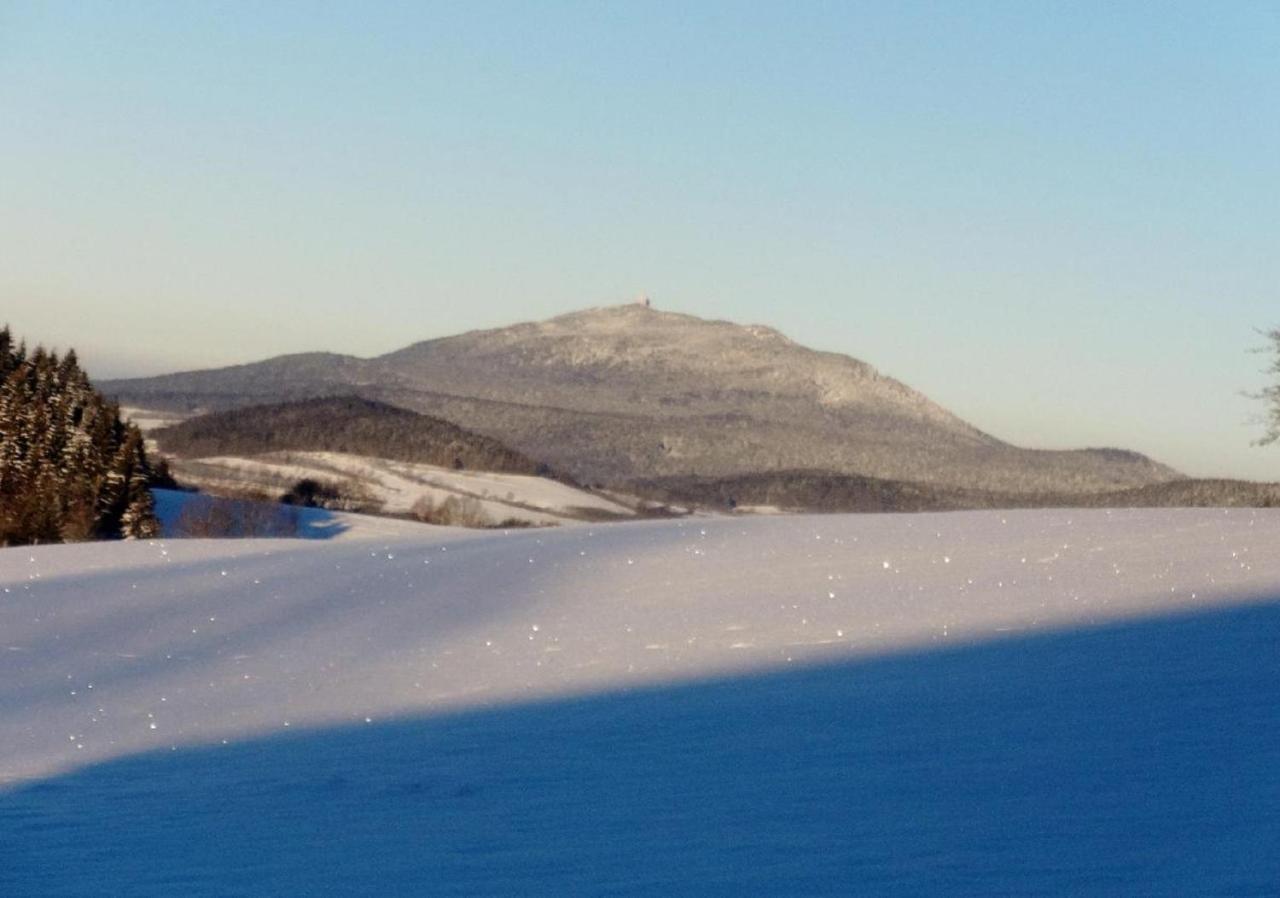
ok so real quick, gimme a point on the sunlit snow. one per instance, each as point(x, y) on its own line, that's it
point(586, 673)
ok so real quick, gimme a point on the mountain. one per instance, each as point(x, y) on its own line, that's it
point(614, 394)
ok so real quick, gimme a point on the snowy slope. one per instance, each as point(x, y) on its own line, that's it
point(396, 485)
point(1042, 702)
point(148, 420)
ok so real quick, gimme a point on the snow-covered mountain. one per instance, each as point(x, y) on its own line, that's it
point(625, 392)
point(1040, 702)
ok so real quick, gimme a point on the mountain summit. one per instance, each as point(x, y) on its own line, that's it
point(621, 392)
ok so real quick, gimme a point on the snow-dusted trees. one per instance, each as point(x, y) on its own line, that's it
point(1271, 393)
point(70, 469)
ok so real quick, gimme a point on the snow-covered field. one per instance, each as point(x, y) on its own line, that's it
point(396, 486)
point(148, 419)
point(986, 703)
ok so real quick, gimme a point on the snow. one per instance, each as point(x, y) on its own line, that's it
point(302, 523)
point(758, 509)
point(148, 420)
point(398, 485)
point(1041, 702)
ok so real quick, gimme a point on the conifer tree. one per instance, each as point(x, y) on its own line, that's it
point(70, 468)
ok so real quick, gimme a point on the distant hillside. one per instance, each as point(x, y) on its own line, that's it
point(1189, 494)
point(345, 424)
point(824, 491)
point(814, 491)
point(628, 392)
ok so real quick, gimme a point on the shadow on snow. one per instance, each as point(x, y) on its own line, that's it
point(1135, 758)
point(200, 514)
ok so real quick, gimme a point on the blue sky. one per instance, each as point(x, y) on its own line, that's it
point(1062, 221)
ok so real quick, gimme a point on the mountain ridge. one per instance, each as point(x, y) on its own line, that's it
point(615, 393)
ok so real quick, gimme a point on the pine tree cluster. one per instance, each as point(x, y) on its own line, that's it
point(70, 468)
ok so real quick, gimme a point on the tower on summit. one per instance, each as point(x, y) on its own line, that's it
point(642, 299)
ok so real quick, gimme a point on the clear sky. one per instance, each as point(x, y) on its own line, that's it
point(1060, 220)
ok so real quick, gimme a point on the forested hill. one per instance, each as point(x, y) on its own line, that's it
point(621, 393)
point(70, 468)
point(342, 424)
point(829, 491)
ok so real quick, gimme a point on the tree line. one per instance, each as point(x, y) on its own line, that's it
point(70, 467)
point(347, 424)
point(835, 492)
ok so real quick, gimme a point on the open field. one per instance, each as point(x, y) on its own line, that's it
point(1035, 702)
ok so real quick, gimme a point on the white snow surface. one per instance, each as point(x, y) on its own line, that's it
point(148, 420)
point(1035, 702)
point(398, 485)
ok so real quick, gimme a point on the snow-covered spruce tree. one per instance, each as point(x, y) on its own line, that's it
point(70, 468)
point(138, 520)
